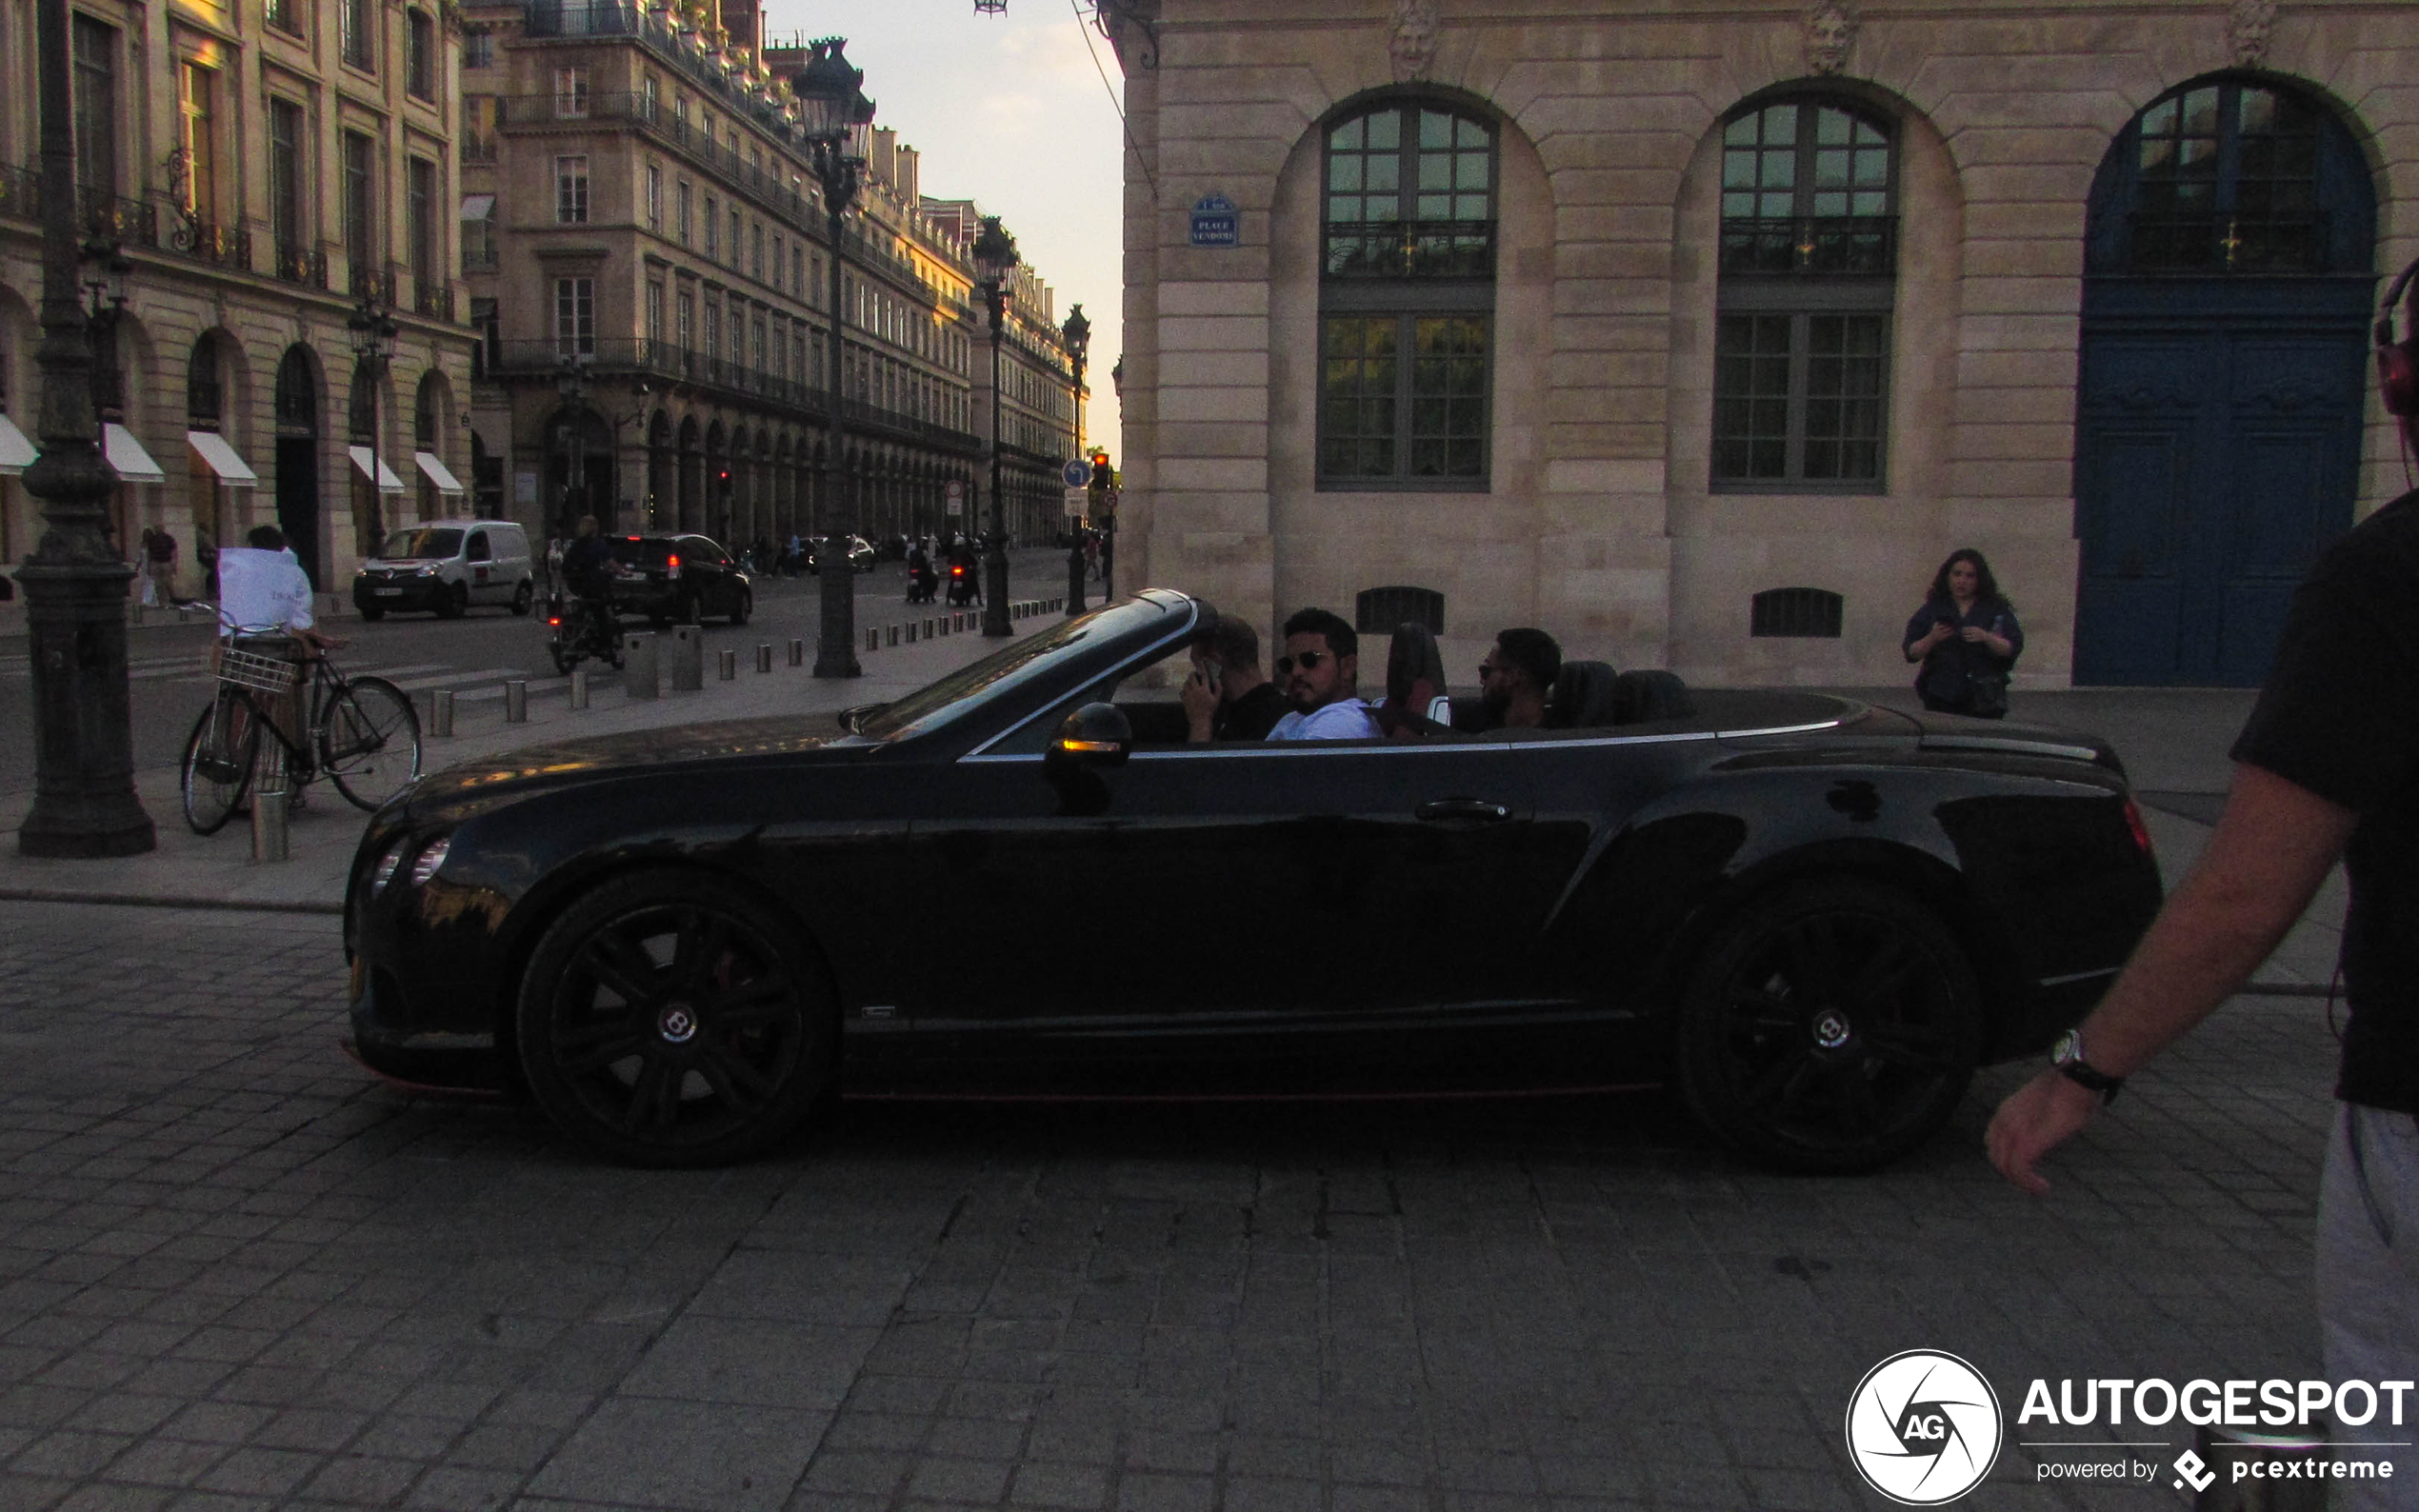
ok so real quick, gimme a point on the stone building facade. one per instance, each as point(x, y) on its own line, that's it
point(650, 269)
point(1698, 334)
point(258, 170)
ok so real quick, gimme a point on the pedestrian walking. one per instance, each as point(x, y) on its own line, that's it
point(159, 568)
point(2327, 768)
point(1967, 639)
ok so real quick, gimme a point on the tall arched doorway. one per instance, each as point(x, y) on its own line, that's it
point(298, 456)
point(2228, 287)
point(579, 470)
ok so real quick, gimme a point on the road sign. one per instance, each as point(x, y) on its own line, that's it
point(1217, 222)
point(1076, 473)
point(955, 494)
point(1078, 500)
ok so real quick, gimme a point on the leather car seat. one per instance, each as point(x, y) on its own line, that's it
point(1648, 694)
point(1582, 696)
point(1416, 705)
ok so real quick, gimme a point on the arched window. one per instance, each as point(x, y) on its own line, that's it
point(202, 400)
point(1407, 299)
point(2225, 177)
point(427, 412)
point(1810, 261)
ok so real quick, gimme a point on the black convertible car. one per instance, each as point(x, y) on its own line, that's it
point(1817, 918)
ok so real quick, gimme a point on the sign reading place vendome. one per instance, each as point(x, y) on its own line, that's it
point(1217, 222)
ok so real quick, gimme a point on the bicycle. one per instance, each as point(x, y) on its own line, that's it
point(361, 732)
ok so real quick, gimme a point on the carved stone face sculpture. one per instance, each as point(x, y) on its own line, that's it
point(1830, 31)
point(1413, 43)
point(2248, 28)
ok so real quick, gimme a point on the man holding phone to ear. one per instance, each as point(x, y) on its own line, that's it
point(1228, 697)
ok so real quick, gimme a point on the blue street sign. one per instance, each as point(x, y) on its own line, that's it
point(1217, 222)
point(1077, 473)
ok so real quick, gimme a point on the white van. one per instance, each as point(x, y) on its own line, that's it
point(448, 567)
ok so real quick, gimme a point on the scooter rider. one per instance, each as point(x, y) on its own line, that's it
point(919, 565)
point(589, 571)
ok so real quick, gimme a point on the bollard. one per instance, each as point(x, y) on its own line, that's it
point(268, 802)
point(911, 633)
point(797, 653)
point(764, 657)
point(441, 711)
point(640, 664)
point(895, 635)
point(579, 687)
point(872, 639)
point(516, 701)
point(726, 667)
point(927, 630)
point(689, 659)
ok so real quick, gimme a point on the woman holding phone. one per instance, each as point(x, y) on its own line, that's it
point(1967, 639)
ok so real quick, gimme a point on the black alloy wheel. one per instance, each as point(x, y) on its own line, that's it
point(1832, 1027)
point(522, 597)
point(454, 603)
point(671, 1019)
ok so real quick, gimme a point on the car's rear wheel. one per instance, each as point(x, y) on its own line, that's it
point(743, 605)
point(668, 1019)
point(522, 597)
point(1830, 1028)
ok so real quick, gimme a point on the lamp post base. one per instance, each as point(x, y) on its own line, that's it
point(83, 803)
point(1076, 577)
point(995, 615)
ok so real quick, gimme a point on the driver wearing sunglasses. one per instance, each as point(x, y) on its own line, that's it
point(1320, 672)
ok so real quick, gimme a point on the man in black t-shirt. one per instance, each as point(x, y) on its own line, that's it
point(2327, 767)
point(1228, 697)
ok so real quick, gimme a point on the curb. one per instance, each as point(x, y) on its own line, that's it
point(140, 900)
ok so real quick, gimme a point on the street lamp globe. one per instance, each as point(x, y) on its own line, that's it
point(994, 254)
point(832, 101)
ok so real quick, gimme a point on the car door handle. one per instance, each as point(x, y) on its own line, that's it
point(1478, 808)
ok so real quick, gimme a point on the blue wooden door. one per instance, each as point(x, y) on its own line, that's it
point(2213, 465)
point(2223, 377)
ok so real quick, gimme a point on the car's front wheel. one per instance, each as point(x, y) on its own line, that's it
point(1830, 1028)
point(742, 605)
point(668, 1019)
point(522, 597)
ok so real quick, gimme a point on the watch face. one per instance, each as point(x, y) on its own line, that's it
point(2069, 1048)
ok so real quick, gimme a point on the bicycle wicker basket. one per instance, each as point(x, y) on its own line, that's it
point(268, 674)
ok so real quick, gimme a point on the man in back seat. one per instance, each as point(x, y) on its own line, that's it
point(1515, 677)
point(1228, 697)
point(1321, 672)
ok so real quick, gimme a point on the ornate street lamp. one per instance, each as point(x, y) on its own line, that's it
point(834, 112)
point(994, 262)
point(84, 801)
point(1078, 332)
point(373, 346)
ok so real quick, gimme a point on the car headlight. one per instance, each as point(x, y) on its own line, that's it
point(430, 859)
point(384, 871)
point(430, 570)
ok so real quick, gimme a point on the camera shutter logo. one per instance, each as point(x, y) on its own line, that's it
point(1924, 1427)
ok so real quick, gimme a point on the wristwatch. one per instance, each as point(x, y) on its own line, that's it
point(2066, 1055)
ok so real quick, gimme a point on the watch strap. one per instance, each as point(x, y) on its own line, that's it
point(2083, 1075)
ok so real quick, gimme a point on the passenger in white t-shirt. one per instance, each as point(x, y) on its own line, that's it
point(264, 606)
point(1320, 673)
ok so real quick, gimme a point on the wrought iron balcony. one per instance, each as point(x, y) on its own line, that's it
point(1852, 246)
point(226, 247)
point(297, 264)
point(1410, 250)
point(2164, 242)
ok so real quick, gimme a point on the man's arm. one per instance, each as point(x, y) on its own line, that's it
point(2273, 848)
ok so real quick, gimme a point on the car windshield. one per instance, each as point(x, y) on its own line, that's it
point(969, 688)
point(404, 546)
point(643, 552)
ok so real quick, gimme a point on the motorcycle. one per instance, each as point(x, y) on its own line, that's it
point(961, 584)
point(576, 631)
point(923, 584)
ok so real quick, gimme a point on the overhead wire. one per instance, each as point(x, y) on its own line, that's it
point(1114, 103)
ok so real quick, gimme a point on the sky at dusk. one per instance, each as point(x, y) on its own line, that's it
point(1010, 112)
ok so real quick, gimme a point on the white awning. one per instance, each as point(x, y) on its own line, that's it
point(478, 206)
point(16, 452)
point(126, 455)
point(231, 470)
point(432, 468)
point(388, 482)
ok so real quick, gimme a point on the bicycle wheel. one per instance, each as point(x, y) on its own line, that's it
point(369, 743)
point(218, 761)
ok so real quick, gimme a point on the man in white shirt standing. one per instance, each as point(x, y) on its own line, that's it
point(264, 606)
point(1320, 671)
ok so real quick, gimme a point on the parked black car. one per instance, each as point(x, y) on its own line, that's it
point(860, 553)
point(681, 577)
point(1817, 917)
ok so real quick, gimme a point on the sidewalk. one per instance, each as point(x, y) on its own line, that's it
point(192, 870)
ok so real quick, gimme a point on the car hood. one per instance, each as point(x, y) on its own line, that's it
point(557, 763)
point(402, 564)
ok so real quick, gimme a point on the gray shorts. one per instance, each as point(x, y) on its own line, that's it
point(2368, 1288)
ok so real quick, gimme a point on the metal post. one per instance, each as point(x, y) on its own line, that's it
point(764, 657)
point(995, 550)
point(516, 701)
point(83, 803)
point(727, 666)
point(836, 648)
point(641, 668)
point(268, 802)
point(441, 711)
point(579, 687)
point(798, 653)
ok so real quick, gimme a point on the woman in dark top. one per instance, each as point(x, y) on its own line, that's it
point(1967, 639)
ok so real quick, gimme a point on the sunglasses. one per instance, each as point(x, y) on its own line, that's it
point(1488, 669)
point(1309, 661)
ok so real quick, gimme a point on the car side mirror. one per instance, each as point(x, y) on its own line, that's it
point(850, 718)
point(1095, 736)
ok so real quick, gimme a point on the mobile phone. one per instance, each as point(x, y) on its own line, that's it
point(1211, 674)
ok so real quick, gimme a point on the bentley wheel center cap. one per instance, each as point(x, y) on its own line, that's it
point(1831, 1029)
point(677, 1023)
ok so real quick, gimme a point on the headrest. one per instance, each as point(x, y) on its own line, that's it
point(1642, 697)
point(1582, 696)
point(1415, 669)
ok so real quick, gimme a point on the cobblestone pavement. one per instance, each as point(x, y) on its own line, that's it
point(236, 1273)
